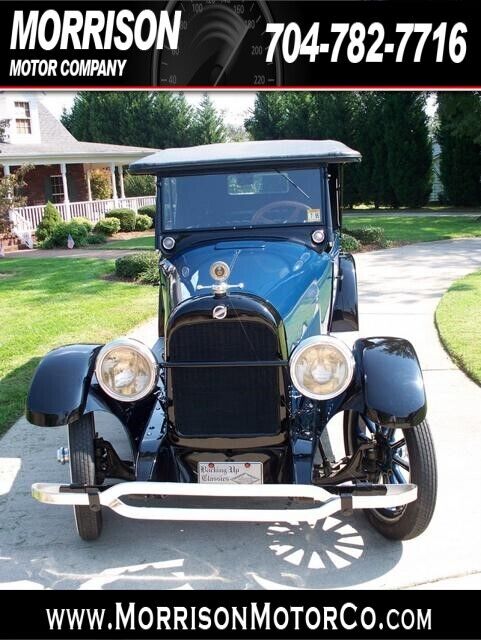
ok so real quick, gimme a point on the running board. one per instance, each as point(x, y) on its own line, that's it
point(394, 496)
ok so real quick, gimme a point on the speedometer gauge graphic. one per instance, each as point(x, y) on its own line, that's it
point(221, 43)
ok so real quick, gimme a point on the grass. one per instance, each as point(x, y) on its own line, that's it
point(142, 242)
point(398, 229)
point(458, 321)
point(49, 302)
point(409, 229)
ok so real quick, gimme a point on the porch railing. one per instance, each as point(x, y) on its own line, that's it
point(93, 210)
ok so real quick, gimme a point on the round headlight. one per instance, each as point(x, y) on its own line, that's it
point(321, 367)
point(126, 369)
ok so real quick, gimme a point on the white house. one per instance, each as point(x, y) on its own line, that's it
point(62, 164)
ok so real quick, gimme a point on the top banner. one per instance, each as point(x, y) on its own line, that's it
point(252, 44)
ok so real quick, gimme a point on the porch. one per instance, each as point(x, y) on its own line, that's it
point(28, 218)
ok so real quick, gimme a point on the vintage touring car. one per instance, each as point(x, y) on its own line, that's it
point(225, 414)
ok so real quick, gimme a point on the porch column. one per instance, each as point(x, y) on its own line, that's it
point(121, 176)
point(63, 171)
point(6, 172)
point(114, 183)
point(89, 186)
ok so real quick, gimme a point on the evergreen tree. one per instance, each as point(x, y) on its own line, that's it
point(373, 184)
point(95, 117)
point(333, 117)
point(208, 125)
point(146, 119)
point(306, 115)
point(298, 107)
point(408, 146)
point(460, 151)
point(269, 117)
point(464, 112)
point(51, 219)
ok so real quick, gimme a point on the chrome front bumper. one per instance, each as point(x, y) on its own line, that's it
point(326, 503)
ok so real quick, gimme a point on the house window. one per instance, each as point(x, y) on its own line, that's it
point(23, 122)
point(56, 185)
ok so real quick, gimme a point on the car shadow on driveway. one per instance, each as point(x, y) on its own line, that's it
point(132, 554)
point(39, 547)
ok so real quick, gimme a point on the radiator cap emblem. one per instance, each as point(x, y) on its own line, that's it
point(220, 271)
point(219, 312)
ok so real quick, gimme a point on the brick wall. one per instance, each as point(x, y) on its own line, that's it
point(38, 189)
point(77, 183)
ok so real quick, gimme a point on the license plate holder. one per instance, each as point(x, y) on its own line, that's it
point(230, 472)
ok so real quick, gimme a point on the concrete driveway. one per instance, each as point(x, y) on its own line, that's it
point(399, 291)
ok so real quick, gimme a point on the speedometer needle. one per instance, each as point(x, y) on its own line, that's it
point(233, 52)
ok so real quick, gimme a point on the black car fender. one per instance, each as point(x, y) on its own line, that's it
point(345, 315)
point(60, 386)
point(391, 382)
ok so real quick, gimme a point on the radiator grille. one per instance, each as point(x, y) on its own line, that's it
point(225, 401)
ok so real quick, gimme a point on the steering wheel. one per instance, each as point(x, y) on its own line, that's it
point(298, 208)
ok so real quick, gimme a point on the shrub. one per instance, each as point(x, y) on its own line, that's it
point(368, 235)
point(107, 226)
point(51, 218)
point(135, 264)
point(97, 238)
point(125, 216)
point(150, 275)
point(88, 224)
point(349, 243)
point(147, 210)
point(142, 223)
point(139, 185)
point(59, 236)
point(100, 184)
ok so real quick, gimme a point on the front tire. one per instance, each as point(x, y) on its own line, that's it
point(81, 437)
point(417, 465)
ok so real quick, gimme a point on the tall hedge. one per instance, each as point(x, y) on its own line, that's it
point(460, 153)
point(390, 129)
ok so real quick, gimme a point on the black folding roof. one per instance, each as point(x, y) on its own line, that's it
point(244, 154)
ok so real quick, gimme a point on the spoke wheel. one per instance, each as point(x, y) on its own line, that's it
point(81, 437)
point(403, 456)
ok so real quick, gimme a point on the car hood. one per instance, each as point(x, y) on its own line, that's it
point(288, 275)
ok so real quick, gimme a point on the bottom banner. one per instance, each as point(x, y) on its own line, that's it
point(235, 614)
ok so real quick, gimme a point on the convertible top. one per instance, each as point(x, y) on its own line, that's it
point(238, 154)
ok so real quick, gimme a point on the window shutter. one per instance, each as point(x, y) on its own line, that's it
point(47, 189)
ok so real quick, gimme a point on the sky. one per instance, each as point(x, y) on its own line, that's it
point(235, 106)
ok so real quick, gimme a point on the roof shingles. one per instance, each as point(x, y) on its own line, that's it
point(57, 141)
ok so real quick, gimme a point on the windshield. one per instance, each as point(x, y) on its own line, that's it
point(232, 200)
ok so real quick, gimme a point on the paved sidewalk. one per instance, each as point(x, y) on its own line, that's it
point(399, 291)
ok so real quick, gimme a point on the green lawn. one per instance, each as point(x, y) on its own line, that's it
point(458, 319)
point(409, 229)
point(143, 242)
point(49, 302)
point(398, 229)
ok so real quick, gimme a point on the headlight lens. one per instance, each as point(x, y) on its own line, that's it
point(126, 369)
point(322, 367)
